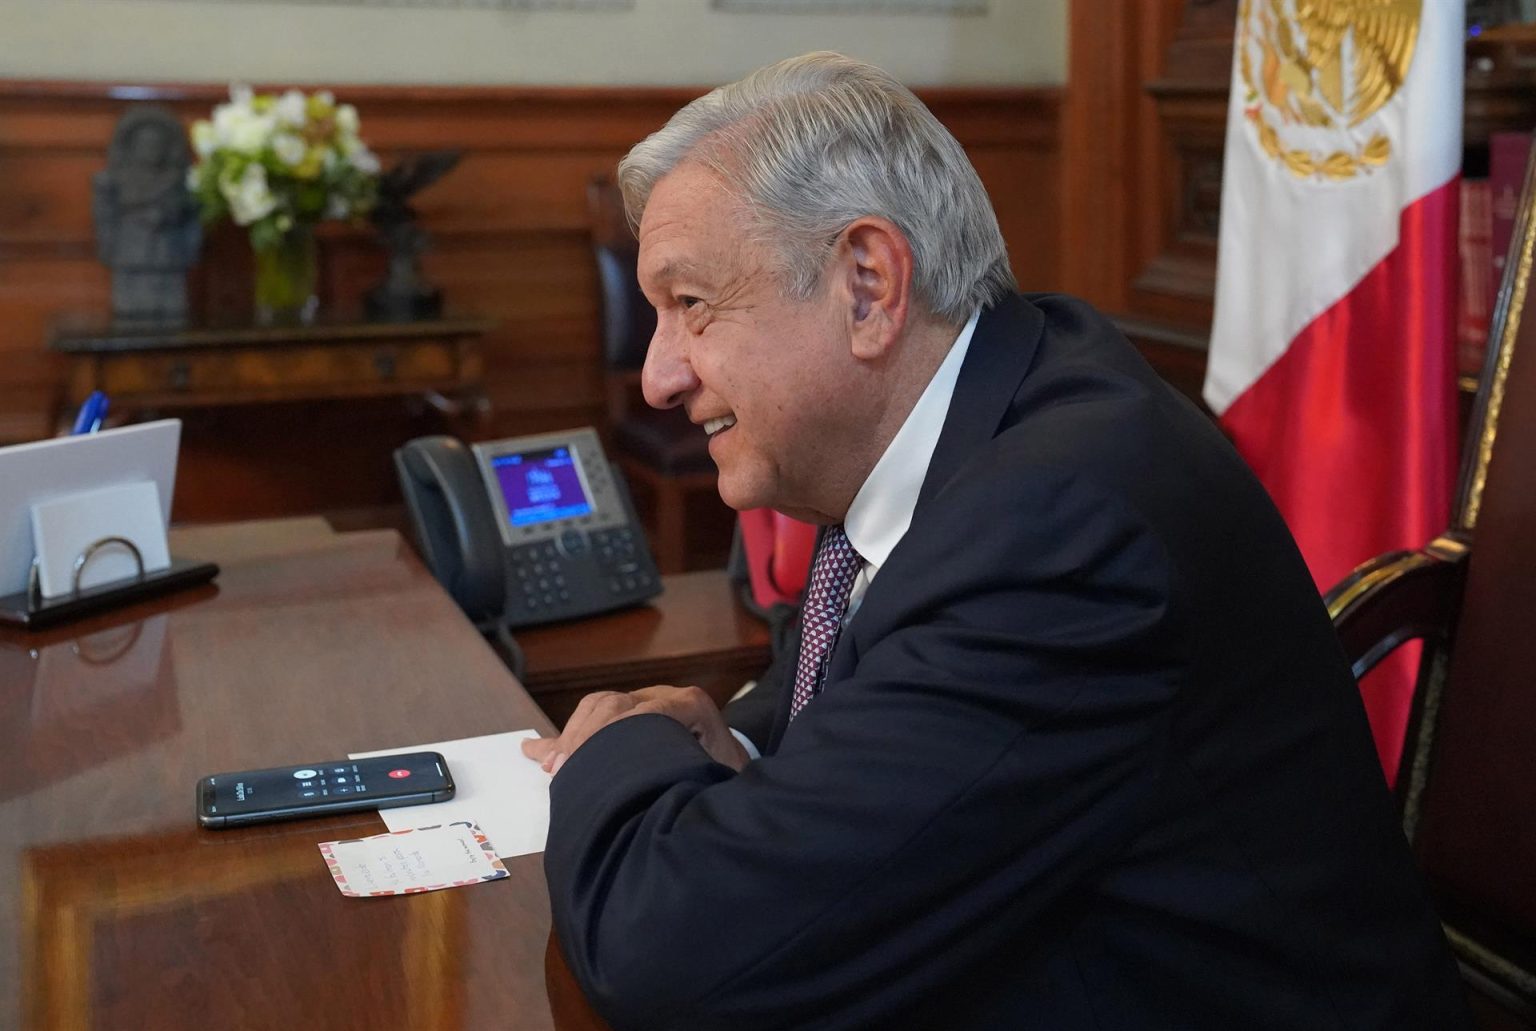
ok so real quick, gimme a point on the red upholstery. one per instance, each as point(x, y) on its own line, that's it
point(778, 555)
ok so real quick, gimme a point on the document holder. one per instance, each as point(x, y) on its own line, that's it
point(83, 523)
point(31, 610)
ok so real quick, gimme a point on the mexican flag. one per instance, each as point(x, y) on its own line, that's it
point(1332, 363)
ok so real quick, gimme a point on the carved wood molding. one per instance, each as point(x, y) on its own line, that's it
point(1143, 130)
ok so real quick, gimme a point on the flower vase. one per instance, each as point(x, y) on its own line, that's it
point(286, 275)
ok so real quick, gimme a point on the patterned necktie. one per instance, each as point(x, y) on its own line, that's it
point(826, 599)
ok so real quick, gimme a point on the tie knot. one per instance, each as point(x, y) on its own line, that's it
point(833, 572)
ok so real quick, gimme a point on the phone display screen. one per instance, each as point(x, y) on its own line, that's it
point(540, 486)
point(333, 786)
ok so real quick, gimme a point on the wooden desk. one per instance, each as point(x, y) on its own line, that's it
point(148, 367)
point(695, 632)
point(117, 911)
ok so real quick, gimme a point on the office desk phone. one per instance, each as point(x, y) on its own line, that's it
point(527, 530)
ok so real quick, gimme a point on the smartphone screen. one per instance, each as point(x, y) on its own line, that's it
point(322, 788)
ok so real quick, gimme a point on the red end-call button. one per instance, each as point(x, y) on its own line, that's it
point(397, 774)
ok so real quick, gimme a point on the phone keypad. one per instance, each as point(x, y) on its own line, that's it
point(556, 579)
point(335, 780)
point(541, 575)
point(621, 563)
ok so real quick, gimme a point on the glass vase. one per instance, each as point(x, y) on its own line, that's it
point(286, 276)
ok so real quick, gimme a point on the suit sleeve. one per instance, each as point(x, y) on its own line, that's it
point(1004, 722)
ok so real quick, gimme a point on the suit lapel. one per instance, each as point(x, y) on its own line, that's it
point(1001, 351)
point(1002, 348)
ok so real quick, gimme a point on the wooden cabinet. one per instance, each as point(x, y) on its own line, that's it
point(148, 368)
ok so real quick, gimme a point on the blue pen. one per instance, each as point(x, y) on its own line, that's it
point(91, 413)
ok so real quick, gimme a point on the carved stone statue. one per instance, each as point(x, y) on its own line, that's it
point(404, 295)
point(147, 228)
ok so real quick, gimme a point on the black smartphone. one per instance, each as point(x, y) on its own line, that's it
point(320, 789)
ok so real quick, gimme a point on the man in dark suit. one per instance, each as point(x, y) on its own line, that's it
point(1068, 741)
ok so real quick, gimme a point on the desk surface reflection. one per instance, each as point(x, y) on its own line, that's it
point(121, 913)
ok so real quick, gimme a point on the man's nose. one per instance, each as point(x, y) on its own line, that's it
point(667, 377)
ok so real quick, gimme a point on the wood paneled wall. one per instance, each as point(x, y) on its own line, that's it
point(1143, 133)
point(509, 227)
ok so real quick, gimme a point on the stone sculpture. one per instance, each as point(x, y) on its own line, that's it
point(147, 229)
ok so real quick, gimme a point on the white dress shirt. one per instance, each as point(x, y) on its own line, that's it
point(882, 509)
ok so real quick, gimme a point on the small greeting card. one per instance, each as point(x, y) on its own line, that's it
point(447, 855)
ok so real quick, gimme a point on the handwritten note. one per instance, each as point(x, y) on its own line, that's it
point(448, 855)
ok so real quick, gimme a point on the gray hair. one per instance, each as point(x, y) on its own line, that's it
point(814, 143)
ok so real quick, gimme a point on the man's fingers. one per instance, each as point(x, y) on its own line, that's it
point(540, 748)
point(690, 706)
point(684, 704)
point(593, 713)
point(695, 710)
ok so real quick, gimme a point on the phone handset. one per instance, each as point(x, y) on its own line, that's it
point(455, 526)
point(456, 532)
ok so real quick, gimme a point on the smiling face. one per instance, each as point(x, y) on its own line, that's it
point(773, 380)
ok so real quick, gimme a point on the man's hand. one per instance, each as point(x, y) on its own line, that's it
point(690, 706)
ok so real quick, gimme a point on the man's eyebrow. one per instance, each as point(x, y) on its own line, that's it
point(678, 268)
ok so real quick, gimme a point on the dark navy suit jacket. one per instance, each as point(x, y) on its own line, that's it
point(1088, 756)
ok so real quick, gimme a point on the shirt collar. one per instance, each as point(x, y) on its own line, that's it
point(882, 509)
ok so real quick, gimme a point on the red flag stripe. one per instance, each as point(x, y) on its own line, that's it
point(1351, 428)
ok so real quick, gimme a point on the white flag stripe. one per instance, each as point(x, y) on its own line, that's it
point(1290, 247)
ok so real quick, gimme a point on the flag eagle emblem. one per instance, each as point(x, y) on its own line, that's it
point(1314, 73)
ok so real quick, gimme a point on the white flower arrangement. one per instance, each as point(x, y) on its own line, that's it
point(272, 162)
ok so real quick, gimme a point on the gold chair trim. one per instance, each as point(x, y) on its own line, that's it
point(1513, 309)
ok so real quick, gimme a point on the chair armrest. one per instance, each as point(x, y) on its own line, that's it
point(1397, 597)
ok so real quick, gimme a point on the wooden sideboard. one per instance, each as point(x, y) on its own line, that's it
point(149, 367)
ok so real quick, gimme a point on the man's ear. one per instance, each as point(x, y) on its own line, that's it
point(879, 280)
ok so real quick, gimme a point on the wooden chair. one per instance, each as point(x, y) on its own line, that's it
point(664, 457)
point(1467, 784)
